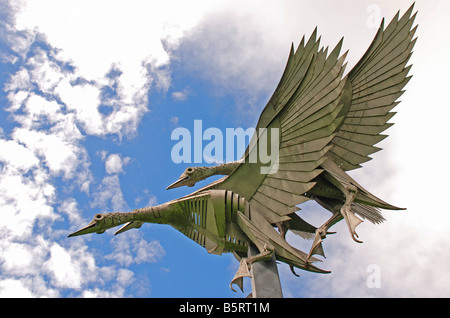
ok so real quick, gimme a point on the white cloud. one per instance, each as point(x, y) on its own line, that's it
point(129, 38)
point(83, 100)
point(38, 110)
point(64, 269)
point(74, 267)
point(70, 207)
point(109, 192)
point(11, 288)
point(45, 73)
point(132, 248)
point(180, 95)
point(125, 277)
point(23, 260)
point(57, 98)
point(18, 81)
point(114, 163)
point(20, 258)
point(24, 200)
point(59, 155)
point(16, 156)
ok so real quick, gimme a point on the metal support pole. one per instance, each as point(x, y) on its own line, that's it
point(265, 278)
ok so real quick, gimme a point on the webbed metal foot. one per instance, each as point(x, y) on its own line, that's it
point(321, 234)
point(245, 265)
point(317, 247)
point(352, 220)
point(243, 271)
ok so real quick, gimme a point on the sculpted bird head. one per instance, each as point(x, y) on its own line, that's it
point(99, 224)
point(190, 177)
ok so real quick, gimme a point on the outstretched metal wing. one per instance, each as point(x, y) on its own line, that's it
point(320, 115)
point(304, 112)
point(376, 81)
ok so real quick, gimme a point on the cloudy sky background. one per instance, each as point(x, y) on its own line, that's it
point(90, 92)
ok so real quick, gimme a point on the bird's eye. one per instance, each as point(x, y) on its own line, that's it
point(98, 217)
point(189, 170)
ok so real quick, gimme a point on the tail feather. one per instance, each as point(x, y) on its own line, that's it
point(368, 199)
point(364, 197)
point(368, 212)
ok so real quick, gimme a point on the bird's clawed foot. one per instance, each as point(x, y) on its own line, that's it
point(245, 265)
point(352, 220)
point(321, 234)
point(243, 271)
point(293, 271)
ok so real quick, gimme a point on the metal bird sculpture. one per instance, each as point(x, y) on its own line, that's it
point(219, 220)
point(326, 124)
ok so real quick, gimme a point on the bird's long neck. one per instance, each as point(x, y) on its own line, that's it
point(168, 212)
point(223, 169)
point(160, 214)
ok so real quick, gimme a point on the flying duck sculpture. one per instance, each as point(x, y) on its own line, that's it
point(326, 124)
point(334, 129)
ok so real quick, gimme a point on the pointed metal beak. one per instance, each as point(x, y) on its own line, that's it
point(90, 228)
point(179, 183)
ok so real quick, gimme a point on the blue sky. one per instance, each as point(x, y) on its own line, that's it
point(90, 92)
